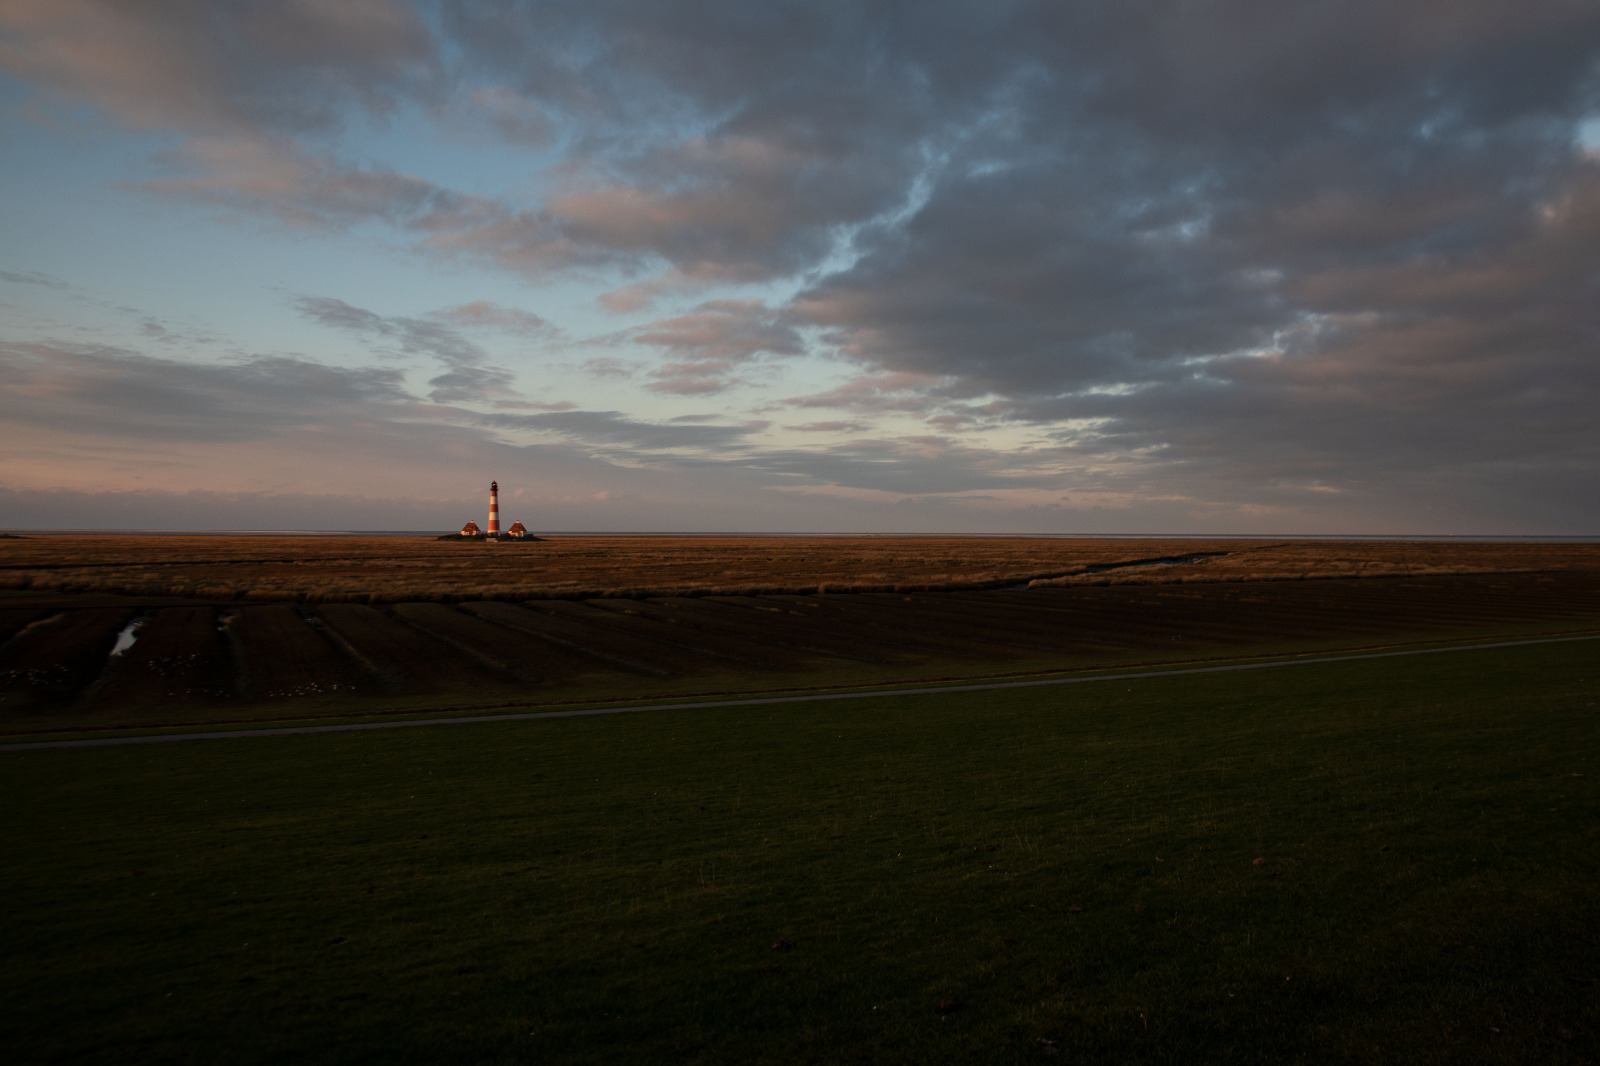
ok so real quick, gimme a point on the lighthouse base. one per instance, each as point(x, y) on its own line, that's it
point(498, 538)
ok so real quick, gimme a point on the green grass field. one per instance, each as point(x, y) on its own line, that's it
point(1382, 861)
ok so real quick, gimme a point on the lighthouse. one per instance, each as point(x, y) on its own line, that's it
point(494, 509)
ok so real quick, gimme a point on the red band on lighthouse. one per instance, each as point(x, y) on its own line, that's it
point(494, 508)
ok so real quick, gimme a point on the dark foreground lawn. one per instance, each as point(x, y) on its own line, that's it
point(1383, 861)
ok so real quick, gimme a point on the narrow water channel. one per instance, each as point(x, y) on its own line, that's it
point(128, 635)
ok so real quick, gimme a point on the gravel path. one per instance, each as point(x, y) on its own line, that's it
point(239, 734)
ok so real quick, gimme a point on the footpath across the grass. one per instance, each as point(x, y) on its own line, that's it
point(1376, 860)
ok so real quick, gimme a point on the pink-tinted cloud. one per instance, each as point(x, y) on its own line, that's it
point(279, 179)
point(214, 68)
point(713, 342)
point(483, 314)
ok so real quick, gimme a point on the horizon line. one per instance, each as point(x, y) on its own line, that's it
point(23, 531)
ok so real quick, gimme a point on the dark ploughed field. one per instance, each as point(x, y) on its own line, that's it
point(255, 628)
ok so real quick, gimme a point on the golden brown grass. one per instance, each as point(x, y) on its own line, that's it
point(1291, 560)
point(393, 569)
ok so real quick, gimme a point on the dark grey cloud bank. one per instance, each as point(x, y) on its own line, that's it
point(1232, 252)
point(110, 392)
point(1265, 247)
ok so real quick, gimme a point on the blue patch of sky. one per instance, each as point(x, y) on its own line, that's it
point(72, 211)
point(1588, 134)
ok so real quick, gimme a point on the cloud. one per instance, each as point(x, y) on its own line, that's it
point(115, 393)
point(928, 465)
point(485, 315)
point(508, 115)
point(734, 330)
point(467, 384)
point(465, 378)
point(728, 208)
point(830, 427)
point(280, 179)
point(880, 392)
point(259, 91)
point(29, 277)
point(207, 68)
point(607, 366)
point(613, 433)
point(711, 343)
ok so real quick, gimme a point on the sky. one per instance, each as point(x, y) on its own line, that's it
point(1111, 266)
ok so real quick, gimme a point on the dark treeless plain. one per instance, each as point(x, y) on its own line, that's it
point(1387, 860)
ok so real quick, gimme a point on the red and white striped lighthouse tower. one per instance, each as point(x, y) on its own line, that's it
point(494, 509)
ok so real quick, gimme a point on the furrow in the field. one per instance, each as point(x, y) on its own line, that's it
point(1135, 623)
point(1582, 601)
point(13, 622)
point(1333, 601)
point(50, 663)
point(969, 605)
point(1381, 607)
point(804, 628)
point(609, 633)
point(179, 657)
point(827, 616)
point(1282, 611)
point(956, 612)
point(1040, 603)
point(851, 617)
point(944, 617)
point(1224, 624)
point(1523, 599)
point(582, 649)
point(681, 628)
point(886, 633)
point(886, 616)
point(696, 652)
point(894, 619)
point(763, 627)
point(284, 656)
point(1042, 609)
point(1152, 617)
point(1167, 619)
point(1033, 635)
point(1509, 596)
point(505, 649)
point(1384, 607)
point(407, 657)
